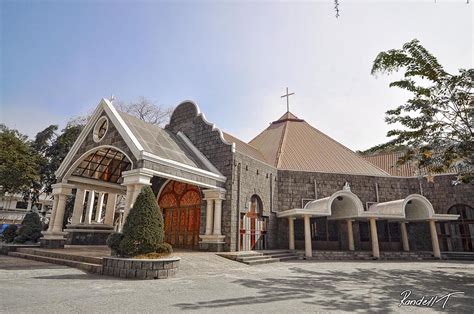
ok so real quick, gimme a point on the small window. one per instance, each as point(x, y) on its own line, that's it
point(21, 205)
point(100, 129)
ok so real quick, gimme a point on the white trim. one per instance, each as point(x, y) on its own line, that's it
point(80, 139)
point(91, 184)
point(198, 154)
point(161, 188)
point(203, 117)
point(90, 151)
point(181, 179)
point(123, 128)
point(97, 125)
point(175, 164)
point(120, 125)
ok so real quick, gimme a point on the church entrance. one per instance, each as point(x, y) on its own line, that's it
point(253, 227)
point(181, 207)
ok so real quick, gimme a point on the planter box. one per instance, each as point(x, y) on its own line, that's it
point(10, 247)
point(140, 268)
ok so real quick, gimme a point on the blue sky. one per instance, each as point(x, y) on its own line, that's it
point(59, 58)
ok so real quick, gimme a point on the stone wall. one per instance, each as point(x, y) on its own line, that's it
point(140, 268)
point(208, 141)
point(293, 186)
point(256, 178)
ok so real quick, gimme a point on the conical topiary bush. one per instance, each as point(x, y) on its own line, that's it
point(143, 229)
point(30, 230)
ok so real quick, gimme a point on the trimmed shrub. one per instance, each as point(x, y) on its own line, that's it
point(30, 230)
point(9, 233)
point(113, 242)
point(143, 229)
point(164, 248)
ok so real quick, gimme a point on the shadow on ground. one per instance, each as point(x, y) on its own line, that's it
point(357, 290)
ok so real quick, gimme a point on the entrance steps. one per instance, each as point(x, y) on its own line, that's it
point(462, 256)
point(367, 255)
point(88, 264)
point(261, 257)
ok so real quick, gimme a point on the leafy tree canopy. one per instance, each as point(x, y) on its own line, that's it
point(18, 162)
point(437, 121)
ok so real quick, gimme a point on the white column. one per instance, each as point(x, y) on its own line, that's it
point(403, 229)
point(53, 213)
point(350, 235)
point(209, 215)
point(434, 239)
point(374, 238)
point(60, 192)
point(308, 250)
point(110, 209)
point(78, 207)
point(59, 217)
point(134, 180)
point(90, 207)
point(291, 233)
point(217, 216)
point(100, 204)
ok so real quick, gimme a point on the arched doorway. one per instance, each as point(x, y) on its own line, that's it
point(253, 227)
point(181, 207)
point(462, 230)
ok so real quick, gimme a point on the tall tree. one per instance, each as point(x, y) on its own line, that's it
point(438, 120)
point(18, 162)
point(147, 111)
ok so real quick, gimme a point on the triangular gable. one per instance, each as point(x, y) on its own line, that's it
point(105, 106)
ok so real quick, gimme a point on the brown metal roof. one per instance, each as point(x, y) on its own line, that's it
point(291, 143)
point(244, 148)
point(388, 162)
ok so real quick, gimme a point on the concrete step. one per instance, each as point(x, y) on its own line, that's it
point(87, 267)
point(464, 256)
point(60, 255)
point(288, 258)
point(262, 261)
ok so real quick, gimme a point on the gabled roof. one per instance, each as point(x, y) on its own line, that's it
point(160, 142)
point(291, 143)
point(244, 148)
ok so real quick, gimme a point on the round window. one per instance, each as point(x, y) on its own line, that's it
point(100, 129)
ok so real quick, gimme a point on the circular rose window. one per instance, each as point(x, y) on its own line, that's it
point(100, 129)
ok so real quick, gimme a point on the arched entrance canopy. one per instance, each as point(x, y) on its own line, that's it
point(414, 207)
point(342, 204)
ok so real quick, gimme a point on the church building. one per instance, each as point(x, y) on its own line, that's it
point(291, 187)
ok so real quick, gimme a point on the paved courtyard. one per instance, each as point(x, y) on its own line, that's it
point(207, 282)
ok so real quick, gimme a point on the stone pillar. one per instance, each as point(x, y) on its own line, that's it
point(291, 233)
point(213, 240)
point(53, 213)
point(100, 204)
point(54, 237)
point(134, 180)
point(110, 209)
point(209, 215)
point(434, 239)
point(308, 250)
point(59, 217)
point(90, 207)
point(78, 207)
point(403, 230)
point(350, 235)
point(374, 238)
point(217, 217)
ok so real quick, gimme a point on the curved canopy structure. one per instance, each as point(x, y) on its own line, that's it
point(414, 207)
point(342, 204)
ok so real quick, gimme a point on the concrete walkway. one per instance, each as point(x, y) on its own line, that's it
point(207, 282)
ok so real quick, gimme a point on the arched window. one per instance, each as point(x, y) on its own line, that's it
point(105, 164)
point(256, 205)
point(462, 230)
